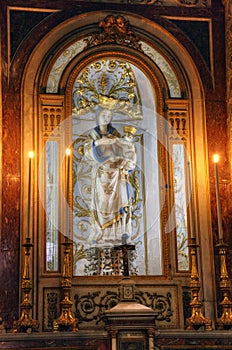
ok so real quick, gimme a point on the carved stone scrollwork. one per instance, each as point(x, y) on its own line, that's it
point(92, 306)
point(52, 308)
point(115, 29)
point(158, 302)
point(201, 3)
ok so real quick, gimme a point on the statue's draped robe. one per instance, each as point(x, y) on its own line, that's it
point(112, 158)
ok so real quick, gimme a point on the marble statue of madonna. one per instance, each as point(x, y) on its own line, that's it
point(113, 158)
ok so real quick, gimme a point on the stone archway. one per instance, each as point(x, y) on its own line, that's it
point(195, 110)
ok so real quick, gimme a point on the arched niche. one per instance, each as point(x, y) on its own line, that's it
point(37, 71)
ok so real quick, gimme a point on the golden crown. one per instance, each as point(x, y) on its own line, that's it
point(129, 129)
point(107, 102)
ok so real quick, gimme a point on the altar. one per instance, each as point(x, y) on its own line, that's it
point(115, 216)
point(164, 340)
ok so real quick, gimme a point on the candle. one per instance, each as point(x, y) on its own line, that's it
point(191, 216)
point(30, 155)
point(68, 153)
point(219, 214)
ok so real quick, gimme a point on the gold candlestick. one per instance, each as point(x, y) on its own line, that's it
point(66, 322)
point(197, 319)
point(225, 321)
point(26, 323)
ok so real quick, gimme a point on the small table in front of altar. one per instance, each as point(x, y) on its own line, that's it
point(130, 324)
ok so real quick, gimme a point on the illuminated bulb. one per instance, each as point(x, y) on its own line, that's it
point(31, 154)
point(68, 152)
point(216, 158)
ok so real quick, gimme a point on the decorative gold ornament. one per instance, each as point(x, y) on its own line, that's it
point(66, 322)
point(107, 102)
point(225, 321)
point(26, 323)
point(129, 129)
point(109, 84)
point(115, 29)
point(197, 319)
